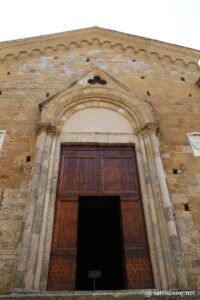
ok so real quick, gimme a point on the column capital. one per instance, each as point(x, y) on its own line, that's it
point(47, 127)
point(148, 129)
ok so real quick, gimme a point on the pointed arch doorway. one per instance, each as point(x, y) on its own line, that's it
point(99, 221)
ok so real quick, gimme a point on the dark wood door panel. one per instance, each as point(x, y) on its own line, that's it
point(139, 273)
point(61, 273)
point(118, 174)
point(133, 224)
point(98, 171)
point(138, 264)
point(77, 174)
point(105, 169)
point(62, 267)
point(67, 225)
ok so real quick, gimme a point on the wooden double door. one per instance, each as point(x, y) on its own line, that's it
point(99, 174)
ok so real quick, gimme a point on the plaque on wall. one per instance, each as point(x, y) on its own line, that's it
point(194, 139)
point(2, 135)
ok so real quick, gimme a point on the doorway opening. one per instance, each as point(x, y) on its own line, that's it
point(100, 244)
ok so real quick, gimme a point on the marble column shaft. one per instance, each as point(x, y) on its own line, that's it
point(18, 283)
point(45, 217)
point(171, 225)
point(153, 209)
point(50, 218)
point(149, 218)
point(165, 243)
point(36, 228)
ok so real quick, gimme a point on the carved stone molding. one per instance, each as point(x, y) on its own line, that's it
point(148, 129)
point(47, 127)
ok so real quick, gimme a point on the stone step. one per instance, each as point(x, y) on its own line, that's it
point(106, 295)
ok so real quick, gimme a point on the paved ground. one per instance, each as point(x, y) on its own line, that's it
point(102, 295)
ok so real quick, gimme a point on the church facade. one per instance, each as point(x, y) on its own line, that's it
point(99, 127)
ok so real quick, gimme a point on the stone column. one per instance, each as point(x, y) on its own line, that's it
point(45, 216)
point(166, 227)
point(146, 156)
point(150, 217)
point(50, 218)
point(168, 212)
point(26, 267)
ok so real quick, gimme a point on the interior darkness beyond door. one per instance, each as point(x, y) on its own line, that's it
point(100, 243)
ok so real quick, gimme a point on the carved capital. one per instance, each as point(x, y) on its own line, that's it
point(148, 129)
point(47, 127)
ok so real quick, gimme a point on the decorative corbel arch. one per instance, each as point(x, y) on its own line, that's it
point(165, 248)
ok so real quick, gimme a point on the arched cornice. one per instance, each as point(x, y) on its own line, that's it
point(101, 38)
point(82, 95)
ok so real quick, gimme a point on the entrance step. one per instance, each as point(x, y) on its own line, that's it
point(106, 295)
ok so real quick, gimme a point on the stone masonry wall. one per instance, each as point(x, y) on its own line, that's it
point(170, 87)
point(11, 226)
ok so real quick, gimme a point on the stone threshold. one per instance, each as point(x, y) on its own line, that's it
point(102, 295)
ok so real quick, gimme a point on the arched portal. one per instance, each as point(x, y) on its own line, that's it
point(54, 131)
point(99, 221)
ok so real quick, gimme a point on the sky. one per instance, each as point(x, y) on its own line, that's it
point(172, 21)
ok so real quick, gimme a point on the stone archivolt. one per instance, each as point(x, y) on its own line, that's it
point(114, 95)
